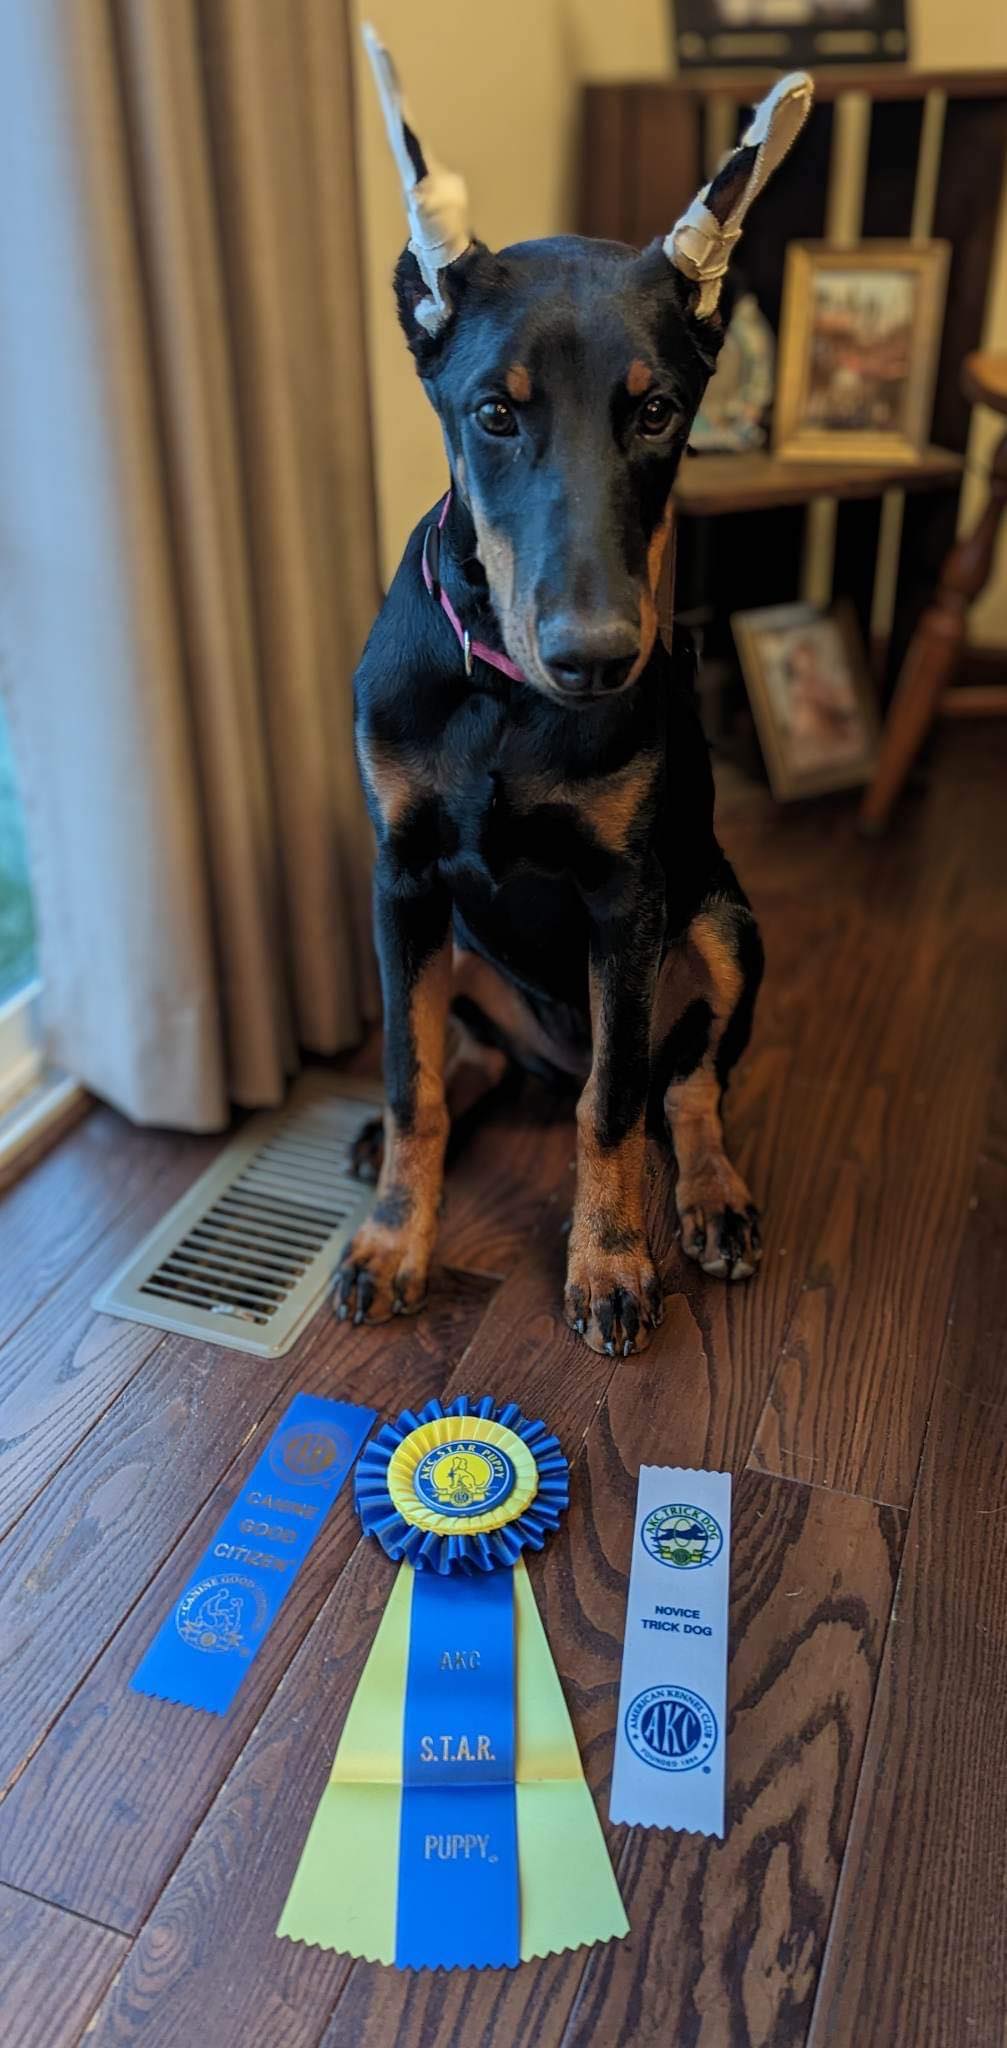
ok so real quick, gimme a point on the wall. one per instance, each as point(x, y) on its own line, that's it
point(495, 93)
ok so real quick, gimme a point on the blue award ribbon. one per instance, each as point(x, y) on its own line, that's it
point(456, 1829)
point(459, 1493)
point(203, 1650)
point(458, 1895)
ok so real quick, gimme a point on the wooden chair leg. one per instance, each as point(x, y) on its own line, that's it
point(933, 653)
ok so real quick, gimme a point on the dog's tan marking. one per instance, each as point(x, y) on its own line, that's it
point(518, 382)
point(608, 1253)
point(639, 378)
point(648, 595)
point(705, 968)
point(394, 787)
point(496, 554)
point(609, 807)
point(612, 807)
point(656, 547)
point(394, 1246)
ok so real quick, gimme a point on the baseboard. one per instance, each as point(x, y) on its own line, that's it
point(981, 666)
point(37, 1122)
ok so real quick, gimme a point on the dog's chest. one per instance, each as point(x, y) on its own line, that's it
point(505, 809)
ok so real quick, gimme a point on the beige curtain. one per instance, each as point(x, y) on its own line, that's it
point(187, 556)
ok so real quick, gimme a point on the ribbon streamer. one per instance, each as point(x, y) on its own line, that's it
point(202, 1651)
point(457, 1778)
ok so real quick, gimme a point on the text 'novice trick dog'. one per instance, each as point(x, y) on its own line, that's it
point(548, 886)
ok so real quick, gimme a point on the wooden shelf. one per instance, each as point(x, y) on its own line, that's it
point(712, 484)
point(747, 83)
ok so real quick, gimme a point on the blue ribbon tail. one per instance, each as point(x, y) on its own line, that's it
point(459, 1902)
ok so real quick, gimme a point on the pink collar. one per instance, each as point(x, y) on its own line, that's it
point(473, 650)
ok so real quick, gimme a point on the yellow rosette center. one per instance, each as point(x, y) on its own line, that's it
point(462, 1476)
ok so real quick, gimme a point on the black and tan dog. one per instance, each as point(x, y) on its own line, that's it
point(548, 885)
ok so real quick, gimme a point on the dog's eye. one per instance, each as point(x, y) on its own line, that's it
point(495, 417)
point(653, 417)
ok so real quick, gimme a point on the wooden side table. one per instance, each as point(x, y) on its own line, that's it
point(924, 688)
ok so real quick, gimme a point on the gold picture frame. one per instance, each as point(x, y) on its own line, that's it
point(816, 717)
point(859, 341)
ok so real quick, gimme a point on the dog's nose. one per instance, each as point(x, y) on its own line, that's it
point(586, 657)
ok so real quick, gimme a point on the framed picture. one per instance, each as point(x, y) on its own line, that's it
point(777, 34)
point(859, 341)
point(811, 695)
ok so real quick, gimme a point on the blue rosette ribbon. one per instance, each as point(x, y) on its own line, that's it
point(461, 1546)
point(457, 1830)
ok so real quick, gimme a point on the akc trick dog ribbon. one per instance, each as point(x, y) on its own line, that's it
point(457, 1829)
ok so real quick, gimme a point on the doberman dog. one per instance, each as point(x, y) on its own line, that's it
point(548, 886)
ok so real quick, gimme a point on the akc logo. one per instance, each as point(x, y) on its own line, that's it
point(222, 1614)
point(671, 1728)
point(682, 1536)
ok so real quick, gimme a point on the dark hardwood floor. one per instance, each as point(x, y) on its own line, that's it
point(856, 1390)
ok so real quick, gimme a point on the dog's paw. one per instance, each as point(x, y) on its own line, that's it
point(381, 1275)
point(368, 1150)
point(725, 1241)
point(613, 1300)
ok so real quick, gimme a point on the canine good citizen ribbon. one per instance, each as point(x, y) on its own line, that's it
point(202, 1652)
point(457, 1780)
point(669, 1745)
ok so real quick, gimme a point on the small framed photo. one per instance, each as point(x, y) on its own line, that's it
point(811, 695)
point(859, 341)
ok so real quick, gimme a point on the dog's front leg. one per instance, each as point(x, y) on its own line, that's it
point(384, 1270)
point(613, 1295)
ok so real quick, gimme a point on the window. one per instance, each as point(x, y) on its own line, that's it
point(20, 1056)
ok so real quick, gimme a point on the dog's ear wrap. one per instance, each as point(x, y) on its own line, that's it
point(436, 200)
point(701, 243)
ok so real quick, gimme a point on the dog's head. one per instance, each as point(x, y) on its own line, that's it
point(566, 375)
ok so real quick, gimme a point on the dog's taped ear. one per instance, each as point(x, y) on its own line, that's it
point(436, 203)
point(701, 243)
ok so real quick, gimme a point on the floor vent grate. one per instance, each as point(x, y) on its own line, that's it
point(246, 1255)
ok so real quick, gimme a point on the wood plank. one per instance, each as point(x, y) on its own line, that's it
point(714, 484)
point(86, 1549)
point(506, 1161)
point(131, 1777)
point(51, 1218)
point(975, 1353)
point(53, 1971)
point(925, 1956)
point(64, 1365)
point(918, 1948)
point(226, 1974)
point(812, 1583)
point(895, 1114)
point(880, 81)
point(509, 1172)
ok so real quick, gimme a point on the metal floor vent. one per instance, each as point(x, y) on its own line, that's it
point(246, 1255)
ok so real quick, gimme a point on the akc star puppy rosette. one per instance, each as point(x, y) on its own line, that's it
point(464, 1488)
point(457, 1829)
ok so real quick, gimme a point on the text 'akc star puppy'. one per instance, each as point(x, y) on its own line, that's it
point(548, 886)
